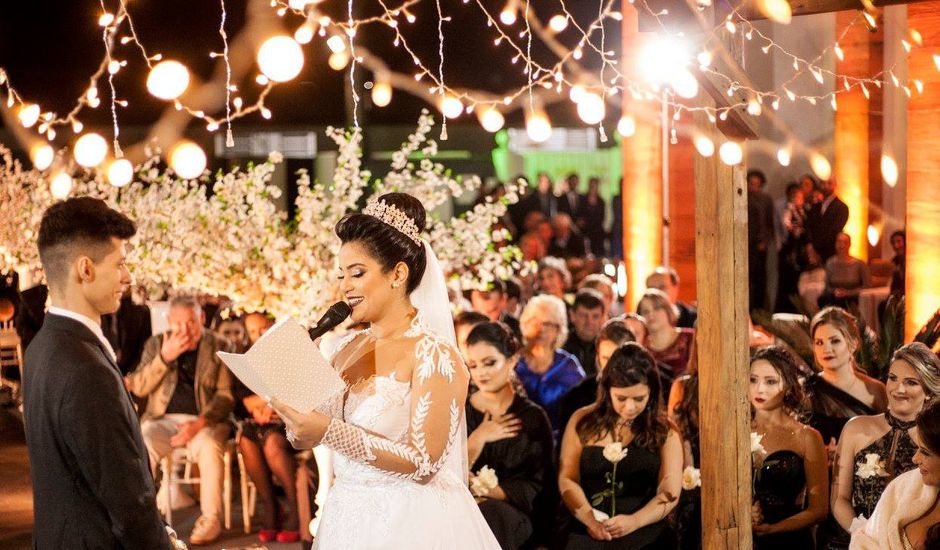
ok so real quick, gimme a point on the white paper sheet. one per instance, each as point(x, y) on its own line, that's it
point(286, 364)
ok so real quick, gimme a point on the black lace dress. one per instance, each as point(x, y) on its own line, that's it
point(639, 474)
point(780, 487)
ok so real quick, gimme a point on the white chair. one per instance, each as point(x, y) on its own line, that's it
point(249, 493)
point(11, 355)
point(171, 463)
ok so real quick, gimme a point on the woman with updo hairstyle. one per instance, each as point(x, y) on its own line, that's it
point(913, 383)
point(510, 435)
point(396, 429)
point(626, 428)
point(840, 390)
point(791, 484)
point(908, 514)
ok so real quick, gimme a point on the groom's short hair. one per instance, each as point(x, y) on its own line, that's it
point(79, 226)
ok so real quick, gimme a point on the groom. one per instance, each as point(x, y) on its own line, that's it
point(92, 486)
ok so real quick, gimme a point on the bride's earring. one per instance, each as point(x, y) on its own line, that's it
point(396, 285)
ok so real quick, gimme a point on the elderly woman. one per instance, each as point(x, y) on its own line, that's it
point(545, 370)
point(669, 344)
point(553, 277)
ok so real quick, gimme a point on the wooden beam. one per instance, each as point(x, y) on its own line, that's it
point(808, 7)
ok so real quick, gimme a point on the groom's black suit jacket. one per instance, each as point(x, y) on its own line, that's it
point(92, 486)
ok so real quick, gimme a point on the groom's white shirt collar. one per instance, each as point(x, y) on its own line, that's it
point(85, 320)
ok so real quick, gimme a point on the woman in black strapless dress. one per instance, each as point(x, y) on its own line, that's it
point(791, 490)
point(646, 473)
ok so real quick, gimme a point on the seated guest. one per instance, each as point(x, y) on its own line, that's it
point(612, 335)
point(492, 303)
point(637, 325)
point(514, 297)
point(553, 277)
point(266, 452)
point(791, 484)
point(669, 344)
point(190, 399)
point(682, 409)
point(666, 279)
point(839, 390)
point(846, 276)
point(913, 381)
point(545, 370)
point(908, 514)
point(509, 434)
point(532, 247)
point(463, 324)
point(587, 318)
point(636, 488)
point(233, 329)
point(603, 284)
point(566, 241)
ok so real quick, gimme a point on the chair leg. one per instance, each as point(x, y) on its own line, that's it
point(166, 465)
point(243, 485)
point(303, 501)
point(227, 488)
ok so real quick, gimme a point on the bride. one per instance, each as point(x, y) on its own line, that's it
point(398, 432)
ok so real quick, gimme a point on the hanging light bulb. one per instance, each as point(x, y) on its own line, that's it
point(29, 115)
point(704, 58)
point(731, 153)
point(576, 93)
point(537, 126)
point(280, 58)
point(90, 150)
point(783, 156)
point(591, 108)
point(820, 166)
point(684, 84)
point(491, 119)
point(626, 126)
point(450, 106)
point(120, 173)
point(338, 60)
point(873, 235)
point(336, 43)
point(188, 160)
point(42, 156)
point(753, 107)
point(704, 146)
point(381, 93)
point(558, 23)
point(304, 33)
point(168, 79)
point(889, 170)
point(61, 185)
point(778, 11)
point(508, 15)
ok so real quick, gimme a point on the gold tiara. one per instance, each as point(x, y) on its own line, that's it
point(393, 216)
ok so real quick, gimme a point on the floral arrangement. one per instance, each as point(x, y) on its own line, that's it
point(614, 453)
point(758, 453)
point(691, 478)
point(871, 479)
point(483, 482)
point(225, 236)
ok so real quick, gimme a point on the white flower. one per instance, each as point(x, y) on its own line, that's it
point(691, 478)
point(614, 452)
point(484, 481)
point(600, 516)
point(756, 446)
point(872, 467)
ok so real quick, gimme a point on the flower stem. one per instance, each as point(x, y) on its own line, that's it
point(613, 492)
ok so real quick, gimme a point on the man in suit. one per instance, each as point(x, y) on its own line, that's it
point(760, 237)
point(826, 220)
point(92, 486)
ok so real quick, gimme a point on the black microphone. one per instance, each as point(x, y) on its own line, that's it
point(337, 313)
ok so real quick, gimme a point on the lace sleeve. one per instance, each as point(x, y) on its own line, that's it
point(438, 391)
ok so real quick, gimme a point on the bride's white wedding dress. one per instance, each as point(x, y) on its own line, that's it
point(400, 456)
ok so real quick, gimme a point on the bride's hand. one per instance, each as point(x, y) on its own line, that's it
point(303, 430)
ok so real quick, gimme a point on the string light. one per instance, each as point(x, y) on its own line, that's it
point(591, 108)
point(381, 94)
point(168, 80)
point(450, 106)
point(626, 126)
point(558, 23)
point(120, 172)
point(491, 119)
point(90, 150)
point(783, 156)
point(731, 153)
point(537, 126)
point(704, 145)
point(776, 10)
point(42, 156)
point(61, 186)
point(188, 160)
point(889, 170)
point(280, 58)
point(820, 166)
point(29, 115)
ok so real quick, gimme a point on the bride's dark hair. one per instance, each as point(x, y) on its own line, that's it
point(385, 243)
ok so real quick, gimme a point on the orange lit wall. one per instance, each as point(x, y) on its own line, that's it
point(853, 147)
point(923, 172)
point(642, 172)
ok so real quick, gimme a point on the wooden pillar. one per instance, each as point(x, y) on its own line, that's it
point(682, 208)
point(721, 266)
point(923, 172)
point(855, 146)
point(642, 170)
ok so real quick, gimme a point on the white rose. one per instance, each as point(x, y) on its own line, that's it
point(600, 516)
point(756, 446)
point(872, 467)
point(614, 452)
point(487, 476)
point(691, 478)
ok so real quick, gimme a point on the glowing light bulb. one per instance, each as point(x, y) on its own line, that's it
point(304, 34)
point(61, 186)
point(188, 160)
point(168, 79)
point(684, 84)
point(704, 146)
point(820, 166)
point(28, 115)
point(450, 106)
point(538, 127)
point(873, 235)
point(776, 10)
point(731, 153)
point(297, 4)
point(889, 170)
point(336, 44)
point(591, 108)
point(280, 58)
point(576, 93)
point(491, 119)
point(120, 173)
point(508, 15)
point(558, 23)
point(753, 108)
point(42, 156)
point(106, 19)
point(783, 156)
point(626, 126)
point(381, 94)
point(338, 60)
point(90, 150)
point(704, 58)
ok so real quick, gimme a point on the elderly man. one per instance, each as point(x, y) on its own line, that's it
point(666, 279)
point(190, 400)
